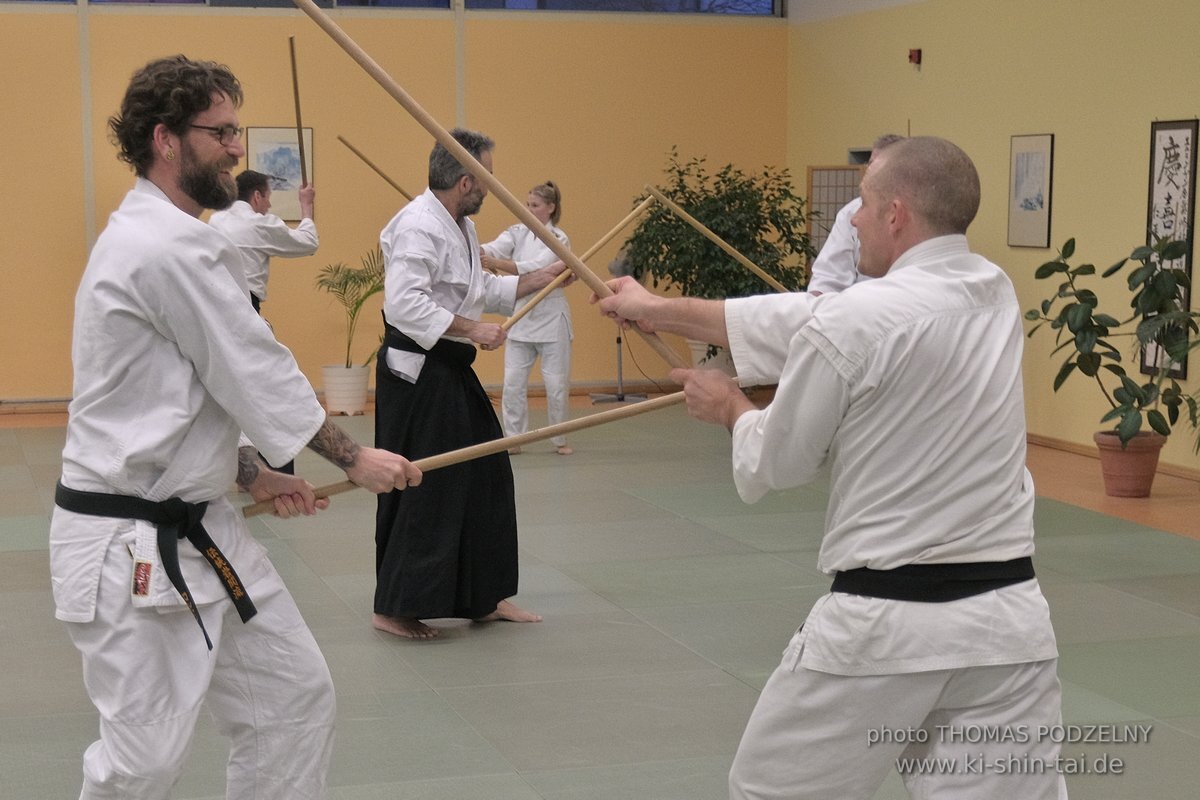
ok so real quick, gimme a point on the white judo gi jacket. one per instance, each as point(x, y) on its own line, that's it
point(260, 236)
point(433, 272)
point(170, 363)
point(909, 387)
point(550, 319)
point(835, 268)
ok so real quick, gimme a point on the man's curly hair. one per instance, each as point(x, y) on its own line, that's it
point(171, 91)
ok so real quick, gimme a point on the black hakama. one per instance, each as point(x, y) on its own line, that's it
point(446, 548)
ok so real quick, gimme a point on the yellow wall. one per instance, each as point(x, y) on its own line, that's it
point(595, 102)
point(42, 241)
point(592, 101)
point(597, 105)
point(1095, 73)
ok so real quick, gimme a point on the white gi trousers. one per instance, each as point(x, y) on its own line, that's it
point(148, 673)
point(556, 373)
point(818, 736)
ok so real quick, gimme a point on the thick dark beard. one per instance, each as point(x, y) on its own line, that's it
point(204, 185)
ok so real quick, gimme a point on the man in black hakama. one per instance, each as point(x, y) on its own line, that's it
point(449, 549)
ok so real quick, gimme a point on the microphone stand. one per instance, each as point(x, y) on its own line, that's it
point(620, 396)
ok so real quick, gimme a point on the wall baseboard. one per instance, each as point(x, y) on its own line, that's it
point(59, 406)
point(1175, 470)
point(54, 405)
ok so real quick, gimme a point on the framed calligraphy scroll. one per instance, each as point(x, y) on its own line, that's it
point(1171, 209)
point(1031, 165)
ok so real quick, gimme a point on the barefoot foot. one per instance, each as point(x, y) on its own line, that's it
point(564, 450)
point(510, 613)
point(406, 627)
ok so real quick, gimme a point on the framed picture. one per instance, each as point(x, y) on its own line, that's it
point(1030, 171)
point(1170, 208)
point(275, 152)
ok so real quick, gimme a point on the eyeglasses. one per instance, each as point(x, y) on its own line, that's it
point(225, 134)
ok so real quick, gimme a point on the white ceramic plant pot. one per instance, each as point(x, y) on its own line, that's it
point(345, 389)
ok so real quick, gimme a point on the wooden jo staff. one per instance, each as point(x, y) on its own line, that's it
point(497, 445)
point(717, 240)
point(561, 279)
point(380, 172)
point(473, 166)
point(299, 124)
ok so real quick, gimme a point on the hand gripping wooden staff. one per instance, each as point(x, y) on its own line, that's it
point(496, 445)
point(380, 172)
point(473, 166)
point(717, 240)
point(562, 278)
point(299, 124)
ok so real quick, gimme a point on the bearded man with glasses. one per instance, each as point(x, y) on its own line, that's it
point(170, 363)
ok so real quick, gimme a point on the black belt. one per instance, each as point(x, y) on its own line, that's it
point(933, 583)
point(460, 354)
point(175, 520)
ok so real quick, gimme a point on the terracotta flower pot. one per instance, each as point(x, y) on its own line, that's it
point(1128, 471)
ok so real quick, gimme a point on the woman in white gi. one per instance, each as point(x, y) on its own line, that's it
point(546, 330)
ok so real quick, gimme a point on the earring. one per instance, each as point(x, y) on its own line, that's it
point(170, 155)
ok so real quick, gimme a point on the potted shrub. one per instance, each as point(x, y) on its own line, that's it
point(1159, 320)
point(759, 215)
point(346, 384)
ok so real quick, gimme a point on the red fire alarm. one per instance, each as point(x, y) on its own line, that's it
point(914, 57)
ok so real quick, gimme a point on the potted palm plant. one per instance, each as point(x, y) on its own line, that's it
point(759, 215)
point(346, 383)
point(1159, 323)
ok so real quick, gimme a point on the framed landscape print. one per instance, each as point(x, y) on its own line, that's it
point(275, 152)
point(1031, 166)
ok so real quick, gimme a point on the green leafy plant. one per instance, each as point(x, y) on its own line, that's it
point(351, 286)
point(1160, 320)
point(758, 214)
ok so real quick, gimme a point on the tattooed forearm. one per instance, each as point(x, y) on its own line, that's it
point(247, 467)
point(332, 443)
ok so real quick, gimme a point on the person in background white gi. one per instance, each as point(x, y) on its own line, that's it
point(448, 549)
point(170, 363)
point(259, 235)
point(909, 388)
point(836, 267)
point(545, 331)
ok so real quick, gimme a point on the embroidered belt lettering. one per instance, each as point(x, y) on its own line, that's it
point(174, 519)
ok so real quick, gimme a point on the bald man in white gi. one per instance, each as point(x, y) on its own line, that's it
point(909, 388)
point(168, 598)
